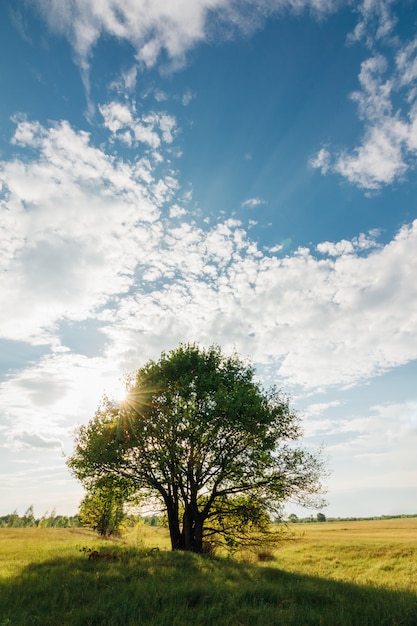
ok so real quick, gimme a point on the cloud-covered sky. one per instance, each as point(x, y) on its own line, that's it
point(236, 172)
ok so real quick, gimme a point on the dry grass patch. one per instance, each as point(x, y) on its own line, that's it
point(376, 552)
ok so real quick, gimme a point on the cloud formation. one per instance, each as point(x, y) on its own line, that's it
point(151, 129)
point(76, 222)
point(378, 446)
point(320, 314)
point(34, 440)
point(376, 21)
point(163, 33)
point(388, 148)
point(251, 203)
point(160, 27)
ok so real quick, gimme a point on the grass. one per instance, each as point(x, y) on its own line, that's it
point(325, 576)
point(377, 552)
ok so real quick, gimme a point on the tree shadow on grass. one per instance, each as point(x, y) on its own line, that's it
point(129, 587)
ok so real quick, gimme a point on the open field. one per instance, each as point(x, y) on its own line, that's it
point(377, 552)
point(329, 574)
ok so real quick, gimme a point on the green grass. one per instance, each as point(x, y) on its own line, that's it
point(326, 576)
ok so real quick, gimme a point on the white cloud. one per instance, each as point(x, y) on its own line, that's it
point(407, 64)
point(376, 22)
point(251, 203)
point(369, 453)
point(319, 321)
point(320, 407)
point(379, 160)
point(321, 160)
point(379, 447)
point(116, 116)
point(187, 97)
point(150, 28)
point(86, 235)
point(35, 440)
point(177, 211)
point(126, 82)
point(388, 147)
point(151, 128)
point(275, 249)
point(76, 223)
point(363, 242)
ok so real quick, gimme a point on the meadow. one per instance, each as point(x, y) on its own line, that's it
point(327, 574)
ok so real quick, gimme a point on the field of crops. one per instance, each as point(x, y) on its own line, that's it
point(327, 574)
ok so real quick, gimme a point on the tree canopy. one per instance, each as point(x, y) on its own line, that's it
point(198, 433)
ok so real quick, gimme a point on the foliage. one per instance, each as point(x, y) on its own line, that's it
point(48, 520)
point(240, 521)
point(102, 509)
point(199, 434)
point(13, 520)
point(153, 520)
point(28, 519)
point(321, 517)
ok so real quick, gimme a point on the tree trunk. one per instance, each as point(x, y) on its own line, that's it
point(190, 538)
point(174, 525)
point(188, 530)
point(198, 535)
point(192, 531)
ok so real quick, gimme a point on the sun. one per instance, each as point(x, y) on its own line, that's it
point(117, 391)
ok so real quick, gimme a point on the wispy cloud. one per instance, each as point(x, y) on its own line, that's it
point(388, 148)
point(383, 441)
point(126, 82)
point(187, 97)
point(152, 28)
point(319, 408)
point(376, 21)
point(251, 203)
point(35, 440)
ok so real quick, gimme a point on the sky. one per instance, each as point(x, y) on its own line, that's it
point(230, 172)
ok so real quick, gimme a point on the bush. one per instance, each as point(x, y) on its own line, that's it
point(265, 555)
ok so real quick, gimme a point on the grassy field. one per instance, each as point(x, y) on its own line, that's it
point(328, 574)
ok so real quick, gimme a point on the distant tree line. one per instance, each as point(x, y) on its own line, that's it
point(320, 517)
point(52, 520)
point(48, 520)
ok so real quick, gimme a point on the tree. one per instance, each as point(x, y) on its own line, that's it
point(14, 521)
point(321, 517)
point(197, 433)
point(103, 509)
point(293, 518)
point(28, 520)
point(48, 520)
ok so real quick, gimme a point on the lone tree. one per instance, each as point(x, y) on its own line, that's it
point(200, 435)
point(102, 508)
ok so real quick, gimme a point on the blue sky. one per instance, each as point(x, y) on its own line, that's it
point(236, 172)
